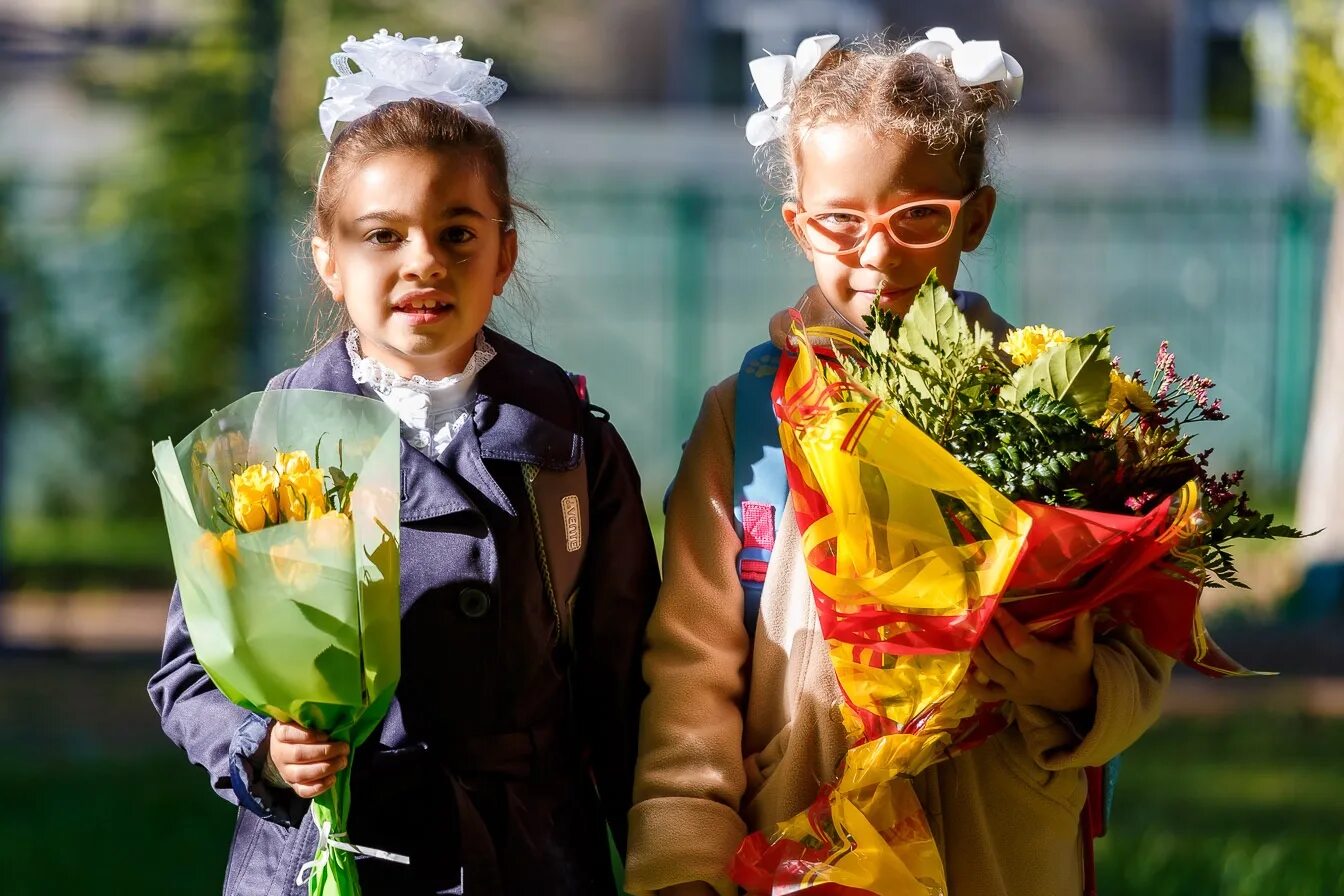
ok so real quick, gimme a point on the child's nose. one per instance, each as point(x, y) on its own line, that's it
point(424, 260)
point(881, 253)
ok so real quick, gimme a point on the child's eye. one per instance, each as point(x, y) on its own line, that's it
point(458, 235)
point(839, 219)
point(382, 237)
point(918, 212)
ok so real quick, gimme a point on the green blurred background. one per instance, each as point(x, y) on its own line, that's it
point(158, 156)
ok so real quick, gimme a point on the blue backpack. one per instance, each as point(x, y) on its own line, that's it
point(760, 491)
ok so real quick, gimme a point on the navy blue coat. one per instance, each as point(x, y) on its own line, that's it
point(483, 770)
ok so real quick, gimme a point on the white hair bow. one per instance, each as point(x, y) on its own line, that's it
point(975, 62)
point(775, 78)
point(393, 68)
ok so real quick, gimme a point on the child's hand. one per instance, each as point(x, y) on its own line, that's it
point(1012, 664)
point(307, 760)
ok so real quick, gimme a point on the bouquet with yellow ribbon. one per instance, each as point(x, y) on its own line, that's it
point(289, 573)
point(910, 549)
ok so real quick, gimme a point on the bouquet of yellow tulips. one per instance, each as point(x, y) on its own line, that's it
point(289, 573)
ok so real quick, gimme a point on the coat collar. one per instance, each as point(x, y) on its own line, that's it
point(526, 412)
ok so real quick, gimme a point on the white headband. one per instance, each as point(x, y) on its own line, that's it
point(393, 68)
point(974, 62)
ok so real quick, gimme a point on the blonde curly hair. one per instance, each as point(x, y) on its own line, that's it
point(875, 83)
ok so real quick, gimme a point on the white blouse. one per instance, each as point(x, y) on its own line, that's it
point(431, 411)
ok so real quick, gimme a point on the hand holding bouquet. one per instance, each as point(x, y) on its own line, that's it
point(289, 572)
point(936, 480)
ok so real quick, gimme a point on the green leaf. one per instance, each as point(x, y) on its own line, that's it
point(879, 341)
point(934, 326)
point(1077, 373)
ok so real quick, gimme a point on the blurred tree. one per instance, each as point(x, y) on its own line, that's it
point(180, 213)
point(164, 302)
point(1319, 77)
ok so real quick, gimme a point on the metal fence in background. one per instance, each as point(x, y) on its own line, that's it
point(655, 293)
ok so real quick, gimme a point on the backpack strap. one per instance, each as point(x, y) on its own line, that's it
point(558, 500)
point(1101, 781)
point(760, 484)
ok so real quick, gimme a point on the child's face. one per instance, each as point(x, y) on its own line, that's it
point(845, 166)
point(417, 253)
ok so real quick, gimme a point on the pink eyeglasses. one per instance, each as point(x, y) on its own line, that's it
point(916, 225)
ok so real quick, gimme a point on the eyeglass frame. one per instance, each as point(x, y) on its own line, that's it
point(883, 220)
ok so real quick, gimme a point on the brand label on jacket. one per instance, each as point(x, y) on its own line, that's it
point(569, 505)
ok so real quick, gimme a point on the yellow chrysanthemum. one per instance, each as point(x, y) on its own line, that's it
point(303, 495)
point(1029, 343)
point(1127, 394)
point(254, 499)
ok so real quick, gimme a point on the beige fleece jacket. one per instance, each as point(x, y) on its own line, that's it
point(733, 740)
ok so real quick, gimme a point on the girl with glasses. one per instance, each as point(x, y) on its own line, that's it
point(879, 151)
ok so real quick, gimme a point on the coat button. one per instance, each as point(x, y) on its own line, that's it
point(473, 602)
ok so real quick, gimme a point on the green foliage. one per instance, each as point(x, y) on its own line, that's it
point(946, 377)
point(1318, 79)
point(1051, 430)
point(1077, 374)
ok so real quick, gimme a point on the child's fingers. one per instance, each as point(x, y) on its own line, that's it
point(998, 647)
point(986, 691)
point(308, 791)
point(1084, 626)
point(300, 754)
point(311, 772)
point(1018, 636)
point(289, 733)
point(987, 665)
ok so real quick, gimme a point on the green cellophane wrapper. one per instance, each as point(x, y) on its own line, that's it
point(299, 621)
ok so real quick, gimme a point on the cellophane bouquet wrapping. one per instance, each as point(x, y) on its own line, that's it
point(289, 571)
point(937, 477)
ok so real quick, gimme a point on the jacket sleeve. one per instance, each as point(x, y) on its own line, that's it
point(224, 739)
point(618, 586)
point(685, 825)
point(1131, 680)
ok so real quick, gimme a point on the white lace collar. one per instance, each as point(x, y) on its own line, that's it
point(431, 411)
point(381, 377)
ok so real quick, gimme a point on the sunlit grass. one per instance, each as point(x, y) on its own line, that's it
point(1229, 807)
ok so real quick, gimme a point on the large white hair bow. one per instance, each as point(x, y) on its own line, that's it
point(393, 68)
point(775, 78)
point(975, 62)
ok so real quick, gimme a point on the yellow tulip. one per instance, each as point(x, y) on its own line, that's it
point(215, 552)
point(288, 463)
point(331, 532)
point(293, 565)
point(254, 499)
point(1029, 343)
point(303, 495)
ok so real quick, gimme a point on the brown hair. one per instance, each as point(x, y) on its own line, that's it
point(877, 84)
point(404, 126)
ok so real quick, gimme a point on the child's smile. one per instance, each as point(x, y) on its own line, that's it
point(417, 254)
